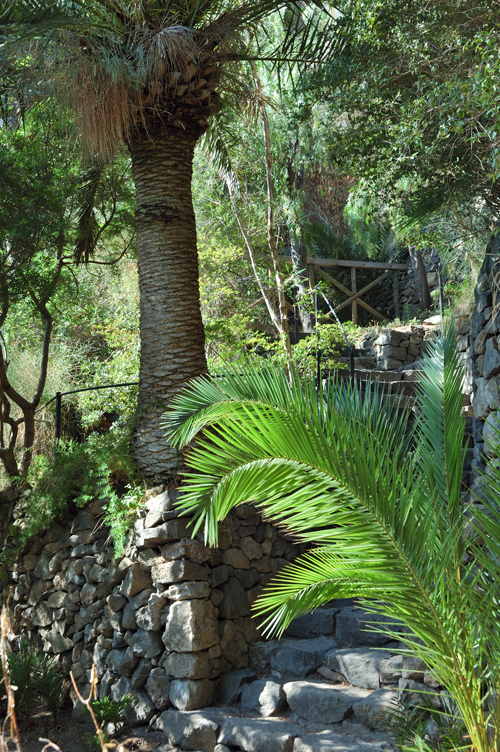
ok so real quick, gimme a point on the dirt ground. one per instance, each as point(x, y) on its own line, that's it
point(69, 736)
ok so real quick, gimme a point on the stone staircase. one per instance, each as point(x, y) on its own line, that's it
point(325, 687)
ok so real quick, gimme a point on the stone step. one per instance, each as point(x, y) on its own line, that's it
point(360, 666)
point(333, 741)
point(300, 658)
point(322, 703)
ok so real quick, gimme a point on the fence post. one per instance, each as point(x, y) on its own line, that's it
point(58, 417)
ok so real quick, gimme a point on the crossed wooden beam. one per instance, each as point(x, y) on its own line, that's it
point(315, 263)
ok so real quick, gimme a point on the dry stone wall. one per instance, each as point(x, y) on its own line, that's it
point(164, 622)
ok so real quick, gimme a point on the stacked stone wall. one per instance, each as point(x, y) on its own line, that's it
point(165, 621)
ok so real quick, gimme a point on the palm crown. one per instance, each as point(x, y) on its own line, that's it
point(378, 500)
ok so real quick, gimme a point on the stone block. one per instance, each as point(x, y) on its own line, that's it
point(116, 601)
point(122, 662)
point(301, 657)
point(146, 644)
point(178, 571)
point(233, 683)
point(158, 688)
point(187, 590)
point(187, 665)
point(491, 358)
point(140, 710)
point(389, 364)
point(170, 531)
point(188, 694)
point(251, 548)
point(264, 697)
point(191, 626)
point(259, 734)
point(360, 666)
point(315, 624)
point(333, 741)
point(372, 710)
point(260, 654)
point(316, 701)
point(236, 558)
point(141, 673)
point(353, 628)
point(149, 616)
point(190, 730)
point(136, 579)
point(491, 434)
point(391, 669)
point(235, 603)
point(188, 548)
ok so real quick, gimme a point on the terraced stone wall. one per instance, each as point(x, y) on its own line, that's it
point(164, 622)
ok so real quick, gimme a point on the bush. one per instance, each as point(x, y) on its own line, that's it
point(35, 675)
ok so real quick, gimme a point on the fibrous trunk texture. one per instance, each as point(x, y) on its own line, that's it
point(172, 337)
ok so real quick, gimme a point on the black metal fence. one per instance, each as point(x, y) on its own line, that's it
point(59, 395)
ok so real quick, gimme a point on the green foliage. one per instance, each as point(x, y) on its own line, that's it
point(21, 669)
point(80, 473)
point(389, 526)
point(35, 675)
point(110, 711)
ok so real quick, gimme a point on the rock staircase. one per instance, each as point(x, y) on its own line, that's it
point(325, 687)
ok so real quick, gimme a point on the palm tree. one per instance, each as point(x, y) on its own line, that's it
point(148, 74)
point(379, 501)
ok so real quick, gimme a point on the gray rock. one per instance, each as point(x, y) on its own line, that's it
point(188, 548)
point(259, 734)
point(353, 627)
point(191, 626)
point(360, 666)
point(177, 571)
point(56, 600)
point(158, 688)
point(316, 701)
point(42, 569)
point(491, 358)
point(187, 694)
point(260, 654)
point(169, 531)
point(141, 673)
point(233, 683)
point(42, 615)
point(189, 730)
point(333, 741)
point(413, 668)
point(127, 617)
point(315, 624)
point(140, 710)
point(235, 603)
point(149, 616)
point(481, 406)
point(234, 557)
point(265, 697)
point(122, 662)
point(186, 590)
point(491, 433)
point(391, 669)
point(163, 502)
point(301, 657)
point(146, 644)
point(219, 575)
point(58, 643)
point(221, 748)
point(136, 579)
point(372, 709)
point(187, 665)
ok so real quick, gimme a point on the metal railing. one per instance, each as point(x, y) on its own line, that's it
point(59, 395)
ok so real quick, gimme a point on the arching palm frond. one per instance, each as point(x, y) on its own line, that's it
point(385, 525)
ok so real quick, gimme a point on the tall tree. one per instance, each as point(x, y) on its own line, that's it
point(148, 75)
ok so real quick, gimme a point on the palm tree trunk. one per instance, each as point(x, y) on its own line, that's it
point(172, 336)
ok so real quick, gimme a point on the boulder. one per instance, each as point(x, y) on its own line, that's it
point(491, 358)
point(187, 694)
point(42, 569)
point(146, 644)
point(315, 624)
point(187, 665)
point(360, 666)
point(177, 571)
point(136, 579)
point(333, 741)
point(264, 697)
point(232, 684)
point(259, 734)
point(140, 710)
point(191, 626)
point(158, 688)
point(186, 590)
point(149, 616)
point(391, 669)
point(122, 662)
point(235, 603)
point(372, 709)
point(301, 657)
point(316, 701)
point(141, 673)
point(189, 730)
point(353, 627)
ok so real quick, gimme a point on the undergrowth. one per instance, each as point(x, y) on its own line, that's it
point(102, 467)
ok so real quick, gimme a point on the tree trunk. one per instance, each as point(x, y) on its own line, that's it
point(172, 336)
point(420, 277)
